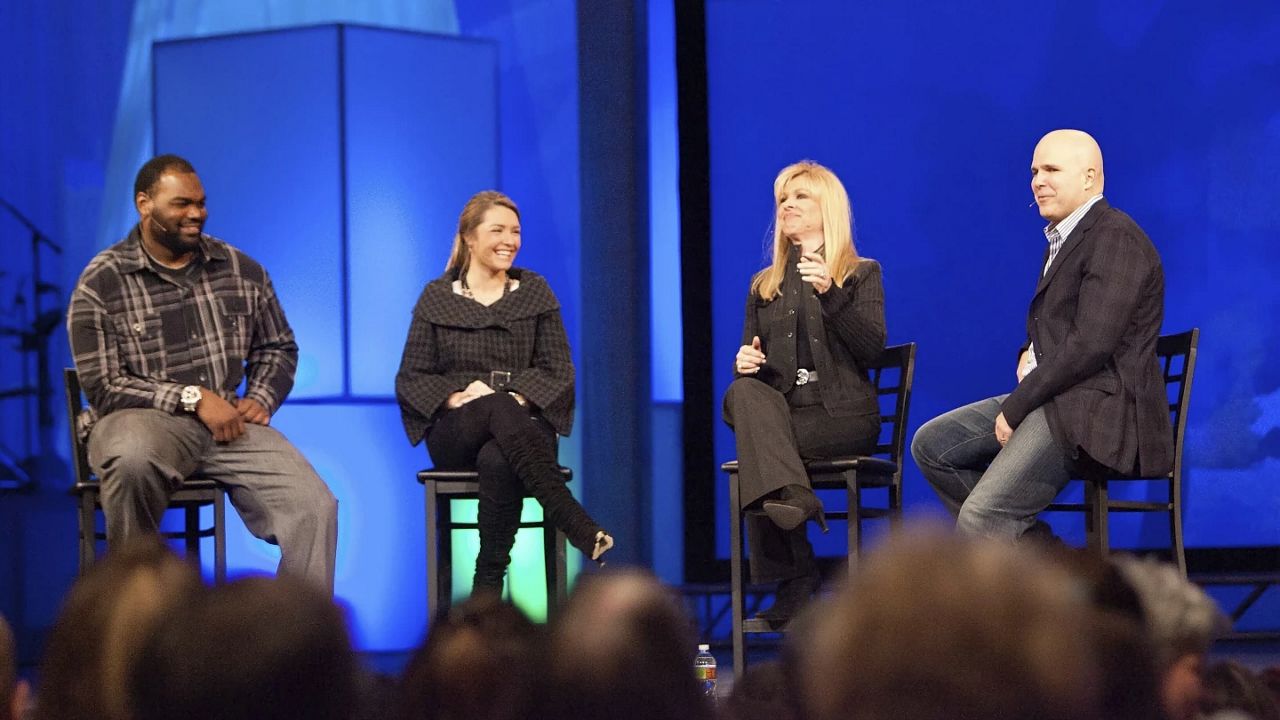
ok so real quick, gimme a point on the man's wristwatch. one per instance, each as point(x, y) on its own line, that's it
point(190, 398)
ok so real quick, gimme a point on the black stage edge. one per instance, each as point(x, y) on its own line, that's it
point(699, 418)
point(616, 395)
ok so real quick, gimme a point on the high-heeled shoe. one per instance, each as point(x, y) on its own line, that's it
point(604, 541)
point(797, 506)
point(791, 596)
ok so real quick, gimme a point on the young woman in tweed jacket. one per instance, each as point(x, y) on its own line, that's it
point(487, 380)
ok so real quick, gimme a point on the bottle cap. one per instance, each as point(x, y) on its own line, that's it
point(704, 648)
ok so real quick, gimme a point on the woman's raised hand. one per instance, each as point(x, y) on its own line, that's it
point(813, 270)
point(750, 358)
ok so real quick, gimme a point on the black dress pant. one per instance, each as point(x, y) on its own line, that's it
point(513, 451)
point(775, 434)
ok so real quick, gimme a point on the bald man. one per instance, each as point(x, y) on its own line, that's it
point(1089, 396)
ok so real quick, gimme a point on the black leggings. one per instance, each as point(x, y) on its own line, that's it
point(514, 453)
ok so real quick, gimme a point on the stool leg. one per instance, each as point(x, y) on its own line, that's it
point(1175, 527)
point(433, 551)
point(88, 529)
point(446, 553)
point(191, 532)
point(736, 590)
point(855, 519)
point(1092, 518)
point(1101, 502)
point(219, 536)
point(549, 569)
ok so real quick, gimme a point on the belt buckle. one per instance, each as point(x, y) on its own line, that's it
point(802, 377)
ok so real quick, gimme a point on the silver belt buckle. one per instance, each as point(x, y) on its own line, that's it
point(802, 377)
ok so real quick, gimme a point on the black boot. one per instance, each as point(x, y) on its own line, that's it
point(498, 523)
point(536, 467)
point(797, 505)
point(792, 595)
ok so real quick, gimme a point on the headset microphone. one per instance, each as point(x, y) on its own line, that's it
point(1032, 204)
point(158, 224)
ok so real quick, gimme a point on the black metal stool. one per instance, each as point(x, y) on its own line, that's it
point(196, 492)
point(444, 486)
point(892, 375)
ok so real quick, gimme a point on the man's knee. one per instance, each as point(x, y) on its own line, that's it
point(981, 517)
point(973, 519)
point(320, 503)
point(328, 505)
point(925, 444)
point(307, 488)
point(124, 445)
point(321, 500)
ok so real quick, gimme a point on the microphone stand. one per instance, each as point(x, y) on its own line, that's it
point(36, 340)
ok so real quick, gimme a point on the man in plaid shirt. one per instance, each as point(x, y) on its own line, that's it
point(165, 326)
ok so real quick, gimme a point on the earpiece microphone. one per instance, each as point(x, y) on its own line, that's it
point(158, 224)
point(1031, 204)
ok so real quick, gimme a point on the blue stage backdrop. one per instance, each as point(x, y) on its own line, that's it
point(929, 113)
point(339, 157)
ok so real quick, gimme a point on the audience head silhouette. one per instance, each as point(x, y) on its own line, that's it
point(480, 662)
point(13, 693)
point(263, 648)
point(96, 640)
point(941, 627)
point(623, 650)
point(1182, 622)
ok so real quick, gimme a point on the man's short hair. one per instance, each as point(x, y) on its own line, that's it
point(151, 171)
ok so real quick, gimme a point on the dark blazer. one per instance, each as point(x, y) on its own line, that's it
point(847, 331)
point(1094, 320)
point(455, 340)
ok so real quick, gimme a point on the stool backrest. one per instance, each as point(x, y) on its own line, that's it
point(892, 374)
point(75, 404)
point(1177, 357)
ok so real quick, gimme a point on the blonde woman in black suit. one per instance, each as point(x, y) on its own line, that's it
point(487, 380)
point(814, 319)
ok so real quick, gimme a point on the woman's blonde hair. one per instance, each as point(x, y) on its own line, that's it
point(837, 227)
point(470, 219)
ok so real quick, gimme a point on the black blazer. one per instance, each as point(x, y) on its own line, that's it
point(1094, 320)
point(454, 340)
point(848, 331)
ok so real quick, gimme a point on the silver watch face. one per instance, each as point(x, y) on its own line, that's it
point(190, 397)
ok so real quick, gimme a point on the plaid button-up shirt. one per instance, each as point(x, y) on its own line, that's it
point(139, 335)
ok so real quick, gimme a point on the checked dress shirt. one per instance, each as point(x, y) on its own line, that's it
point(140, 333)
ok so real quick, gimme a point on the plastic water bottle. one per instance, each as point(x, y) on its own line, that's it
point(704, 668)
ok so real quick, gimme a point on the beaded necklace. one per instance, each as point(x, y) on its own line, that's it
point(466, 289)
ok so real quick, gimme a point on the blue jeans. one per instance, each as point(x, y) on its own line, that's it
point(991, 490)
